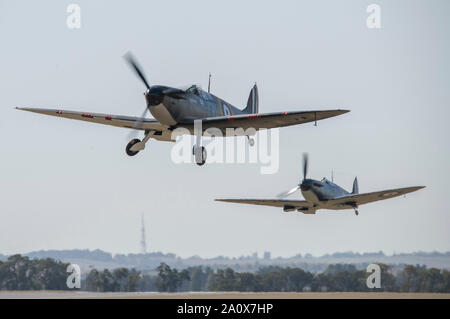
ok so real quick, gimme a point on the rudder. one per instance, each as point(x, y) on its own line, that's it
point(252, 102)
point(355, 186)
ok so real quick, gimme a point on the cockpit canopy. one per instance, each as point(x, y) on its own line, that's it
point(194, 89)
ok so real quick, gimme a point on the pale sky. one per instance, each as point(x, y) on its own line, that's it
point(69, 184)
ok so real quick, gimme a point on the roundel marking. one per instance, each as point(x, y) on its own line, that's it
point(226, 110)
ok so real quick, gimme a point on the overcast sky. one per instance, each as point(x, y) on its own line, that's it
point(67, 184)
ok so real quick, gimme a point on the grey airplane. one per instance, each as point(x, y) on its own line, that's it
point(179, 108)
point(324, 194)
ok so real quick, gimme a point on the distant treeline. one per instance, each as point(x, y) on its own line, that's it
point(101, 255)
point(21, 273)
point(148, 262)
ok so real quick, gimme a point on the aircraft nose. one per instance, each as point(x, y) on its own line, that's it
point(305, 186)
point(155, 95)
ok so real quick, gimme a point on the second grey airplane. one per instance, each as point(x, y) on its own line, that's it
point(324, 194)
point(175, 108)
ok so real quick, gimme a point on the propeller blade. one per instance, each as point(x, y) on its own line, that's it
point(133, 63)
point(289, 192)
point(305, 165)
point(138, 124)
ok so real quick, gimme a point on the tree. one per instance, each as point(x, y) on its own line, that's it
point(210, 281)
point(107, 280)
point(196, 276)
point(297, 279)
point(49, 274)
point(169, 279)
point(248, 282)
point(410, 279)
point(433, 280)
point(120, 278)
point(22, 273)
point(133, 278)
point(93, 281)
point(225, 280)
point(445, 281)
point(273, 280)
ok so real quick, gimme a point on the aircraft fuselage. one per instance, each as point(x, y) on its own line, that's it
point(320, 191)
point(186, 106)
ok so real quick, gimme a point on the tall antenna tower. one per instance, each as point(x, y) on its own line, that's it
point(143, 243)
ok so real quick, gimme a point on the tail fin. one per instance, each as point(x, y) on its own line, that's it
point(253, 102)
point(355, 186)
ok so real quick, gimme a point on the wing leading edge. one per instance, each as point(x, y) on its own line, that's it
point(287, 205)
point(106, 119)
point(345, 202)
point(269, 120)
point(257, 121)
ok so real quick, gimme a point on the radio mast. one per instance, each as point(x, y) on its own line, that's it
point(143, 243)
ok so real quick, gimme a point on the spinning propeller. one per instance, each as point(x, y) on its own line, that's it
point(135, 66)
point(296, 188)
point(154, 95)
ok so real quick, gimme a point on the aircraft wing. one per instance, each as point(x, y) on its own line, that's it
point(291, 204)
point(107, 119)
point(257, 121)
point(268, 120)
point(360, 199)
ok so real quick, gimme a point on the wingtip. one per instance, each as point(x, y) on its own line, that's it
point(224, 200)
point(414, 188)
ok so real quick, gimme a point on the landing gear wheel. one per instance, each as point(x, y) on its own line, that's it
point(199, 155)
point(251, 141)
point(356, 212)
point(130, 145)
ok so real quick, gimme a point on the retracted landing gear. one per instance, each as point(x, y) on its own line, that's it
point(136, 145)
point(356, 212)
